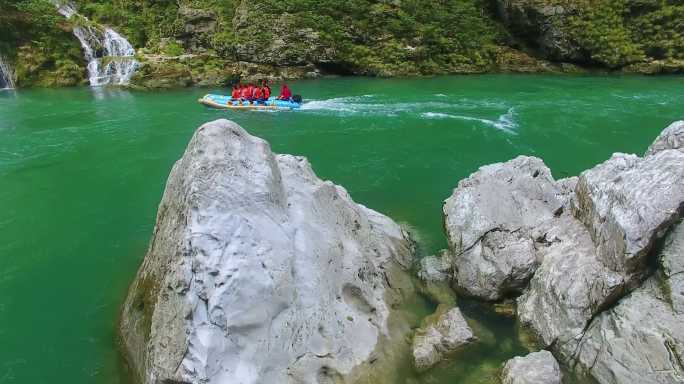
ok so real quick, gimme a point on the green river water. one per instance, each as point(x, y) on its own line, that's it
point(82, 172)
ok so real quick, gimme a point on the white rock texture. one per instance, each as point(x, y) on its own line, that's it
point(641, 340)
point(436, 268)
point(443, 333)
point(536, 368)
point(489, 219)
point(595, 297)
point(259, 272)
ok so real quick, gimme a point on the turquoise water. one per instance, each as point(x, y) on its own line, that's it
point(83, 171)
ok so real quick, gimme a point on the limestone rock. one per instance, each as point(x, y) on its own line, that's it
point(641, 340)
point(536, 368)
point(444, 332)
point(569, 286)
point(259, 272)
point(489, 219)
point(435, 268)
point(615, 201)
point(671, 138)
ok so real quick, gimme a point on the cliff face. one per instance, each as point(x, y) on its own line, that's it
point(642, 36)
point(185, 42)
point(39, 45)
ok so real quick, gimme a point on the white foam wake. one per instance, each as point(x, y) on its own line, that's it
point(505, 122)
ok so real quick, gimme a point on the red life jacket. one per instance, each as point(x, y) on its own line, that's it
point(257, 93)
point(267, 92)
point(285, 92)
point(250, 89)
point(235, 94)
point(245, 93)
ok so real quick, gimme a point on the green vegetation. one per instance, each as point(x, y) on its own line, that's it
point(367, 37)
point(38, 41)
point(621, 32)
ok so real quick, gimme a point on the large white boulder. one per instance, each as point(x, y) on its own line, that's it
point(260, 272)
point(489, 219)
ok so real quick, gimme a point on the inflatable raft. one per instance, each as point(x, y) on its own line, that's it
point(225, 102)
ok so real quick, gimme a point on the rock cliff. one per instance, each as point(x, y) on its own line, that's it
point(260, 272)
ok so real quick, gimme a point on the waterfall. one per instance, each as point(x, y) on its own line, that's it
point(6, 75)
point(109, 55)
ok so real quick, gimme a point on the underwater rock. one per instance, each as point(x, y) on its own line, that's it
point(489, 220)
point(536, 368)
point(435, 268)
point(442, 333)
point(260, 272)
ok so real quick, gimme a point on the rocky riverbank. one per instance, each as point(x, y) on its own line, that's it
point(189, 43)
point(594, 260)
point(258, 271)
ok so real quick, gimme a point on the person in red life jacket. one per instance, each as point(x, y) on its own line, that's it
point(258, 96)
point(245, 94)
point(285, 93)
point(266, 90)
point(250, 89)
point(235, 95)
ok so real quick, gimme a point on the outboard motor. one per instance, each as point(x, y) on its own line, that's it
point(297, 99)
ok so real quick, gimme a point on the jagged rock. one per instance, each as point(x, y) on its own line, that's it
point(671, 138)
point(435, 268)
point(489, 219)
point(615, 200)
point(442, 333)
point(259, 272)
point(569, 286)
point(641, 340)
point(536, 368)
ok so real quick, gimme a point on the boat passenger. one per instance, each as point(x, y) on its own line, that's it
point(245, 94)
point(285, 93)
point(258, 95)
point(235, 95)
point(266, 90)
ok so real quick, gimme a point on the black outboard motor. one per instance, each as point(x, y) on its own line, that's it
point(297, 99)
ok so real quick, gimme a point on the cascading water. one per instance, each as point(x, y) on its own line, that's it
point(109, 55)
point(6, 74)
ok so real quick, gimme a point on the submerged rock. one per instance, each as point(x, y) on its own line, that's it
point(443, 333)
point(489, 220)
point(536, 368)
point(259, 272)
point(435, 268)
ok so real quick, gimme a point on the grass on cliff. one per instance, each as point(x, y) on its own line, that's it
point(37, 40)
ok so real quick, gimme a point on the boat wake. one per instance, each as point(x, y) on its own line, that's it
point(372, 105)
point(505, 122)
